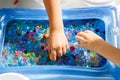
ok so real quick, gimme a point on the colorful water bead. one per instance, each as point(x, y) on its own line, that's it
point(15, 2)
point(46, 36)
point(72, 48)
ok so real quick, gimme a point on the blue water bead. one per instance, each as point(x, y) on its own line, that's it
point(51, 63)
point(83, 28)
point(76, 43)
point(73, 33)
point(71, 62)
point(68, 30)
point(90, 64)
point(83, 58)
point(69, 40)
point(45, 40)
point(65, 29)
point(78, 51)
point(81, 63)
point(59, 63)
point(18, 46)
point(73, 39)
point(43, 60)
point(32, 62)
point(23, 32)
point(69, 52)
point(20, 63)
point(42, 31)
point(10, 58)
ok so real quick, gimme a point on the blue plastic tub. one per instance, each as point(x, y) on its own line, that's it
point(23, 46)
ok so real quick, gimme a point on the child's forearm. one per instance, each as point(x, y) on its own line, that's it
point(108, 51)
point(55, 14)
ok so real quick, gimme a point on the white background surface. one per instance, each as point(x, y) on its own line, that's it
point(64, 3)
point(13, 76)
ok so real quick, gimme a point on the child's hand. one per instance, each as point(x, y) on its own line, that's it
point(57, 44)
point(89, 40)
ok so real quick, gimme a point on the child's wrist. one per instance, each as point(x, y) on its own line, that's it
point(56, 28)
point(98, 46)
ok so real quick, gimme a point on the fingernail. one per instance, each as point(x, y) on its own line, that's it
point(50, 57)
point(53, 58)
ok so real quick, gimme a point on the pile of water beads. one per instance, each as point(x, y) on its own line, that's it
point(25, 44)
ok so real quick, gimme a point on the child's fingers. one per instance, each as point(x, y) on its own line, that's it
point(49, 50)
point(80, 46)
point(64, 50)
point(66, 46)
point(59, 52)
point(83, 34)
point(53, 54)
point(88, 31)
point(78, 38)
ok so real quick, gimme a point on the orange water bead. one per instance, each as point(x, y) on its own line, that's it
point(17, 53)
point(36, 60)
point(15, 2)
point(46, 35)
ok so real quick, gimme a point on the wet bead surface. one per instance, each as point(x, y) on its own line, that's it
point(26, 42)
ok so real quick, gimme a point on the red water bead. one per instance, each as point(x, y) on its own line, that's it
point(46, 35)
point(15, 2)
point(72, 48)
point(32, 34)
